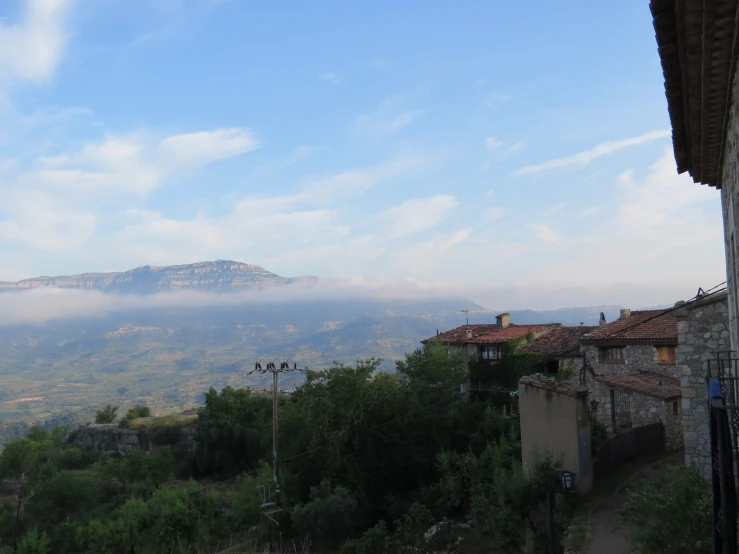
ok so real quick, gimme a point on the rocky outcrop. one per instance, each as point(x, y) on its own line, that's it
point(221, 274)
point(112, 440)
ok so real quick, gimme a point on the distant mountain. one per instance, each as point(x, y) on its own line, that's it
point(213, 276)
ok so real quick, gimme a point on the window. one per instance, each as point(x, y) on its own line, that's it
point(491, 353)
point(552, 367)
point(613, 355)
point(674, 407)
point(666, 354)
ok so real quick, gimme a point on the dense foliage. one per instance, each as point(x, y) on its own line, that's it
point(671, 515)
point(370, 462)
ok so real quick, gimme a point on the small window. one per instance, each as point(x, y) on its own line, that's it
point(611, 355)
point(491, 353)
point(674, 408)
point(666, 354)
point(552, 367)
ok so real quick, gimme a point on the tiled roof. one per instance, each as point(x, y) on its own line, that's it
point(562, 341)
point(549, 383)
point(489, 333)
point(646, 327)
point(644, 382)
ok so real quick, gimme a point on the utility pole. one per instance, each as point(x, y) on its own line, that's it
point(272, 367)
point(275, 443)
point(466, 316)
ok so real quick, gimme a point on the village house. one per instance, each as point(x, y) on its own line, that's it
point(632, 372)
point(561, 349)
point(487, 341)
point(697, 49)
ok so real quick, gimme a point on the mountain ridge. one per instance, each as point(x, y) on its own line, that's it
point(209, 275)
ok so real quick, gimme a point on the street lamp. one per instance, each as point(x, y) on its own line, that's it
point(594, 405)
point(568, 481)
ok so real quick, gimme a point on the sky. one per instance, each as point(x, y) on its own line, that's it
point(481, 146)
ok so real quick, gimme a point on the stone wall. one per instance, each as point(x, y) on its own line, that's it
point(730, 209)
point(703, 331)
point(636, 357)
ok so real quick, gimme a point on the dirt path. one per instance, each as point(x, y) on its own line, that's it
point(604, 540)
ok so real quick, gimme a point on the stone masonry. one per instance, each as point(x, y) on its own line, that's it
point(703, 331)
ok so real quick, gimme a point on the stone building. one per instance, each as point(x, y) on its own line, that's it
point(703, 334)
point(561, 348)
point(697, 49)
point(632, 372)
point(487, 341)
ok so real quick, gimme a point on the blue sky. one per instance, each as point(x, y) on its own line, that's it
point(478, 145)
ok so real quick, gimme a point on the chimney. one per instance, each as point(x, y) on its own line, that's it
point(468, 334)
point(602, 320)
point(625, 313)
point(503, 320)
point(437, 332)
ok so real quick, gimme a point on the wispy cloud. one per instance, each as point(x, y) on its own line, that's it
point(591, 211)
point(418, 214)
point(582, 159)
point(134, 164)
point(492, 143)
point(389, 117)
point(516, 147)
point(32, 48)
point(329, 77)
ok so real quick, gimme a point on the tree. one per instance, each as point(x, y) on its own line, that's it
point(106, 414)
point(234, 431)
point(671, 515)
point(330, 516)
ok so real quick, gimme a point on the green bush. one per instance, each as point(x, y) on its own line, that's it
point(330, 516)
point(672, 515)
point(33, 543)
point(106, 414)
point(136, 412)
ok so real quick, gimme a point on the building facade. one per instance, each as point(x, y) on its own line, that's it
point(632, 373)
point(487, 342)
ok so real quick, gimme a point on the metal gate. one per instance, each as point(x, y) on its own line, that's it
point(620, 410)
point(723, 395)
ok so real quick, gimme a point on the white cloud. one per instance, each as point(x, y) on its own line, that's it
point(388, 118)
point(134, 164)
point(41, 222)
point(32, 48)
point(582, 159)
point(358, 181)
point(197, 149)
point(329, 77)
point(418, 214)
point(492, 143)
point(516, 147)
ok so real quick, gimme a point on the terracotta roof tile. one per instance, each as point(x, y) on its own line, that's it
point(639, 327)
point(488, 333)
point(542, 382)
point(562, 341)
point(644, 382)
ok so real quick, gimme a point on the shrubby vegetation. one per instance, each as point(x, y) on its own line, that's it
point(370, 463)
point(671, 515)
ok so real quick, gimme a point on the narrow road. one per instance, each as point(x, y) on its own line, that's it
point(604, 539)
